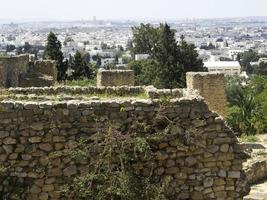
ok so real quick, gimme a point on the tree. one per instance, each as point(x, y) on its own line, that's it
point(261, 69)
point(188, 57)
point(174, 59)
point(166, 54)
point(144, 71)
point(144, 39)
point(10, 48)
point(53, 52)
point(104, 46)
point(246, 113)
point(80, 67)
point(246, 58)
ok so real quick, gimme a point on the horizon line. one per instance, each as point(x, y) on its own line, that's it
point(32, 20)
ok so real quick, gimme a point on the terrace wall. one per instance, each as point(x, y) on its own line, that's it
point(204, 158)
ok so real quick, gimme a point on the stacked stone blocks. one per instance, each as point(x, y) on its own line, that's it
point(18, 71)
point(211, 86)
point(115, 78)
point(208, 166)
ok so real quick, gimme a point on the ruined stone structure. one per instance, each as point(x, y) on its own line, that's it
point(115, 78)
point(211, 86)
point(18, 71)
point(40, 73)
point(11, 68)
point(204, 158)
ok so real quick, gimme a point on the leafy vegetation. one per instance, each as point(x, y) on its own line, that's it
point(249, 138)
point(247, 107)
point(53, 52)
point(249, 56)
point(170, 59)
point(81, 67)
point(115, 155)
point(84, 82)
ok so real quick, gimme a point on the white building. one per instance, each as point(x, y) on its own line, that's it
point(233, 53)
point(227, 67)
point(141, 56)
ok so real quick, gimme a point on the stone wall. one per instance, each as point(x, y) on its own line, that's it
point(11, 68)
point(47, 67)
point(256, 170)
point(17, 71)
point(40, 73)
point(115, 78)
point(211, 86)
point(204, 159)
point(122, 91)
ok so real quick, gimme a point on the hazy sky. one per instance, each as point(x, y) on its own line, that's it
point(129, 9)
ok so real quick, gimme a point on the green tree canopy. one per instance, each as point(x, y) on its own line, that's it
point(81, 67)
point(53, 52)
point(145, 38)
point(174, 59)
point(245, 59)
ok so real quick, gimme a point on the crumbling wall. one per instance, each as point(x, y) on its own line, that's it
point(11, 68)
point(17, 71)
point(41, 73)
point(211, 86)
point(115, 78)
point(204, 158)
point(47, 67)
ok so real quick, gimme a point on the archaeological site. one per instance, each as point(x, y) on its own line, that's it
point(198, 151)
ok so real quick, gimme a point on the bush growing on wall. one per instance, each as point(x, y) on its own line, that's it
point(113, 171)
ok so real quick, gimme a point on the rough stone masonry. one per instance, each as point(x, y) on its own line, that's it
point(18, 71)
point(211, 86)
point(204, 160)
point(115, 78)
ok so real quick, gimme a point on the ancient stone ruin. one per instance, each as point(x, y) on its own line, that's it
point(115, 78)
point(200, 152)
point(18, 71)
point(211, 86)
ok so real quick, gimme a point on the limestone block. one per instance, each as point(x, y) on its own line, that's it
point(211, 86)
point(115, 78)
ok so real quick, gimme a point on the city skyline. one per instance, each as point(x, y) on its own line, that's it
point(29, 10)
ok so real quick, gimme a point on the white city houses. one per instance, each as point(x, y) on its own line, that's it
point(227, 67)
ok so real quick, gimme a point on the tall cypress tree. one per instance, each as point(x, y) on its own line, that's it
point(188, 56)
point(81, 67)
point(166, 53)
point(53, 52)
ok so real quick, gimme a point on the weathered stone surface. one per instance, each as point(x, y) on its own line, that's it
point(71, 170)
point(224, 148)
point(198, 153)
point(46, 147)
point(37, 126)
point(43, 196)
point(211, 86)
point(35, 139)
point(234, 174)
point(9, 141)
point(115, 78)
point(190, 161)
point(19, 71)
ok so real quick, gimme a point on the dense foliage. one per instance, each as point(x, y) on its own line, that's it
point(245, 59)
point(247, 104)
point(53, 52)
point(114, 155)
point(172, 59)
point(81, 66)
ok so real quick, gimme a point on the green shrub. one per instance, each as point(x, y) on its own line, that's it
point(81, 82)
point(247, 104)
